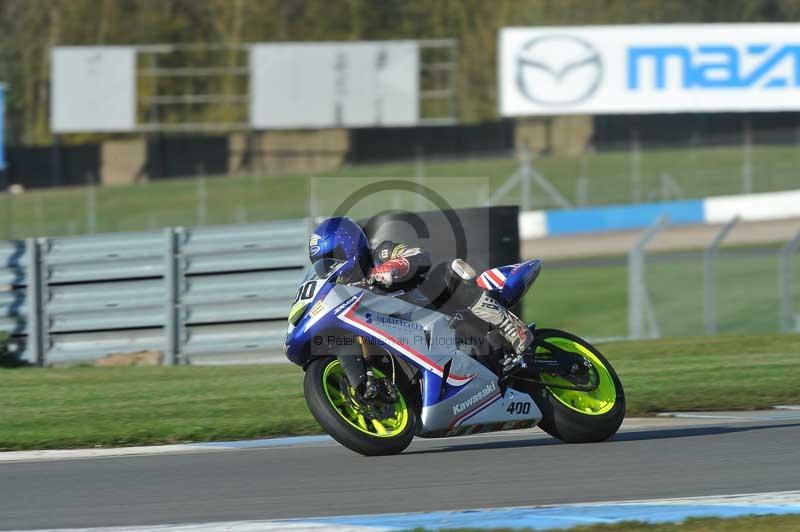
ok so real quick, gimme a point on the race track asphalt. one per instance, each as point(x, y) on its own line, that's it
point(647, 459)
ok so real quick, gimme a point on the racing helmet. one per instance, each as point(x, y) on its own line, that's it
point(336, 240)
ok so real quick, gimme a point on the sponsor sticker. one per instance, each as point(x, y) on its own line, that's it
point(317, 309)
point(475, 399)
point(313, 244)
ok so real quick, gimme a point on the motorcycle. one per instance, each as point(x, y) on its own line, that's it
point(432, 376)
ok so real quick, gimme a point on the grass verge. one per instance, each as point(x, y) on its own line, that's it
point(771, 523)
point(88, 406)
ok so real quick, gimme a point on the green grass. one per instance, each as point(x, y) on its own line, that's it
point(699, 172)
point(89, 406)
point(86, 406)
point(765, 523)
point(717, 373)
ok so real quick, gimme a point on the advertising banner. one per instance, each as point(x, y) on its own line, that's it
point(310, 85)
point(93, 88)
point(649, 69)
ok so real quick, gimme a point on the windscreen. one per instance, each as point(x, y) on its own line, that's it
point(322, 268)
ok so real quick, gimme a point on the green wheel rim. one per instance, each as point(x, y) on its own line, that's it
point(593, 403)
point(384, 428)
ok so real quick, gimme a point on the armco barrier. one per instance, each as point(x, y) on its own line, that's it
point(206, 295)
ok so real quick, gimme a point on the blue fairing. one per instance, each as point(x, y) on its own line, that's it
point(297, 344)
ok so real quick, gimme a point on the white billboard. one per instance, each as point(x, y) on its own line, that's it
point(93, 88)
point(310, 85)
point(649, 69)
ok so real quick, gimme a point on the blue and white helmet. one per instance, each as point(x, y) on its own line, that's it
point(336, 240)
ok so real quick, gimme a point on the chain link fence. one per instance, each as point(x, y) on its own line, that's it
point(630, 171)
point(721, 289)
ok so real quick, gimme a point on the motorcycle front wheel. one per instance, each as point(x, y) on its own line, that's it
point(328, 396)
point(575, 416)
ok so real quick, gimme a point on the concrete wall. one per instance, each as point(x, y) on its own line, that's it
point(562, 135)
point(123, 162)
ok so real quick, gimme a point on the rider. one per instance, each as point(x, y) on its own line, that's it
point(449, 287)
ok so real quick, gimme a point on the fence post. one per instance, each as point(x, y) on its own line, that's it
point(201, 207)
point(525, 181)
point(709, 277)
point(91, 204)
point(786, 283)
point(747, 159)
point(582, 191)
point(503, 189)
point(636, 167)
point(313, 206)
point(33, 295)
point(639, 305)
point(10, 215)
point(419, 177)
point(171, 307)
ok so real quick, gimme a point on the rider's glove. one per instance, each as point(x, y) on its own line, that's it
point(387, 273)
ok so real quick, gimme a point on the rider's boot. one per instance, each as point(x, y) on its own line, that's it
point(507, 323)
point(460, 280)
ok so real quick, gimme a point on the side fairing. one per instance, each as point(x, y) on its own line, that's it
point(458, 393)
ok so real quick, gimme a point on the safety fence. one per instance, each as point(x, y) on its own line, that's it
point(202, 295)
point(599, 175)
point(719, 289)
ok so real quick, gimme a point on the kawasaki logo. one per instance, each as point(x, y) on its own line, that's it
point(460, 407)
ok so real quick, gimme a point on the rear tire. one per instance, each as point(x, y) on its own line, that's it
point(568, 423)
point(339, 422)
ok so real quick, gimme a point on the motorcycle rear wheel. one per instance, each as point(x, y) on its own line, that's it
point(579, 416)
point(343, 420)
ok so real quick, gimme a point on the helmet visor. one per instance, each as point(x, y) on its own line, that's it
point(324, 267)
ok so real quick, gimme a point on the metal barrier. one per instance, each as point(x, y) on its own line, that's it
point(199, 295)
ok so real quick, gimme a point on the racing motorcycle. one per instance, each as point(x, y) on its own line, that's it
point(432, 376)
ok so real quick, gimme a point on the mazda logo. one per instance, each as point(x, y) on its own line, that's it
point(556, 70)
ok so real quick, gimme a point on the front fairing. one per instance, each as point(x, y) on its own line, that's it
point(310, 315)
point(309, 331)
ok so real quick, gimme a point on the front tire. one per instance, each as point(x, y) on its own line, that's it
point(574, 416)
point(340, 418)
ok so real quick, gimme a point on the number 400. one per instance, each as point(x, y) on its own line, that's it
point(519, 408)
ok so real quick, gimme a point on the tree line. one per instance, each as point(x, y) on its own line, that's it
point(29, 28)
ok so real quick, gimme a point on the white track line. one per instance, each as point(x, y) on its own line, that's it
point(663, 421)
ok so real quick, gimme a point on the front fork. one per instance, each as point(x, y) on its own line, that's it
point(355, 367)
